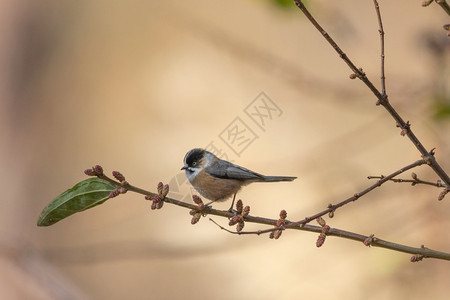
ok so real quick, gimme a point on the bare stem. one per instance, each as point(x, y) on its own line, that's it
point(356, 196)
point(381, 31)
point(376, 242)
point(382, 98)
point(444, 6)
point(412, 181)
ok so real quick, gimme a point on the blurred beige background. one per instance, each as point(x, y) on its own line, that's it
point(134, 85)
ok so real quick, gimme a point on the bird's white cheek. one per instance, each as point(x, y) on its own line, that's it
point(191, 175)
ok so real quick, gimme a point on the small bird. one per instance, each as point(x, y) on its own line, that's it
point(217, 179)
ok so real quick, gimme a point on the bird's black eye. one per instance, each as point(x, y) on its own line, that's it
point(194, 163)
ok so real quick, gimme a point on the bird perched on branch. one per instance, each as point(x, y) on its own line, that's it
point(217, 179)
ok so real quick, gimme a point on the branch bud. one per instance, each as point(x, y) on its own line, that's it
point(321, 221)
point(246, 211)
point(239, 206)
point(196, 199)
point(236, 219)
point(165, 190)
point(117, 175)
point(160, 187)
point(89, 172)
point(114, 193)
point(416, 258)
point(195, 218)
point(321, 240)
point(240, 226)
point(280, 222)
point(98, 170)
point(442, 194)
point(159, 205)
point(368, 241)
point(277, 234)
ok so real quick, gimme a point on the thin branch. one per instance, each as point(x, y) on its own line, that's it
point(415, 181)
point(444, 5)
point(375, 242)
point(381, 31)
point(300, 225)
point(332, 208)
point(382, 99)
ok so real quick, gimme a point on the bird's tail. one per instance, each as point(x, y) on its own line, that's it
point(278, 178)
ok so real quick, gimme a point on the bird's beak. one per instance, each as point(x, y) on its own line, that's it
point(184, 168)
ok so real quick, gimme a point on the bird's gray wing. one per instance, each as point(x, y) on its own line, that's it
point(226, 170)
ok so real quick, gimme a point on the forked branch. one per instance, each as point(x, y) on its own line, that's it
point(381, 98)
point(201, 210)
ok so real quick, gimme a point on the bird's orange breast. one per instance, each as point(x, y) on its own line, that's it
point(215, 189)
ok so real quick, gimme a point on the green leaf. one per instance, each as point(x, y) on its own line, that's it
point(84, 195)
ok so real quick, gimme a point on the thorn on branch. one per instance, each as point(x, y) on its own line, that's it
point(432, 151)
